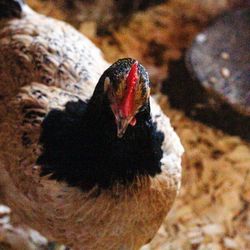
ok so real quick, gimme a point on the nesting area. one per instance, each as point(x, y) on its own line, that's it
point(212, 211)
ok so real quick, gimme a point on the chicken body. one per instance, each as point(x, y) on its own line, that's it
point(44, 64)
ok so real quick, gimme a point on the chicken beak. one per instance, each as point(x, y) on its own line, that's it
point(122, 124)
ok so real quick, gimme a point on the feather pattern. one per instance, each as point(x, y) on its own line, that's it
point(44, 65)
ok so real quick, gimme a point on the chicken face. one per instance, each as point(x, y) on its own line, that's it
point(127, 88)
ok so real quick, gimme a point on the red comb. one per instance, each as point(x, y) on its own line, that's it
point(128, 101)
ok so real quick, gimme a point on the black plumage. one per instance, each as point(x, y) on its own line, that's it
point(81, 145)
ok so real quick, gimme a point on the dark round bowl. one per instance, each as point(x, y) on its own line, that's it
point(219, 59)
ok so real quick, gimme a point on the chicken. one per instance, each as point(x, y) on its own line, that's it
point(87, 157)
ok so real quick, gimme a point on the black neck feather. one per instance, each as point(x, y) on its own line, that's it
point(81, 147)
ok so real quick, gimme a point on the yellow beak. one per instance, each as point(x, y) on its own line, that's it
point(122, 124)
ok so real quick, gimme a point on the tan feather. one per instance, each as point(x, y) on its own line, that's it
point(45, 63)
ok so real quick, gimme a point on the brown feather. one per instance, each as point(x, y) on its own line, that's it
point(44, 64)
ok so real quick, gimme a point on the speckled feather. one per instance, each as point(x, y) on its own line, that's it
point(44, 64)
